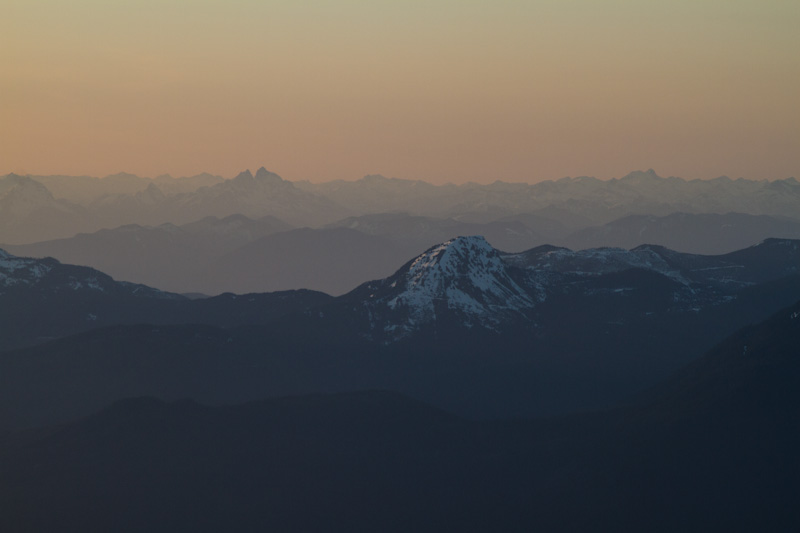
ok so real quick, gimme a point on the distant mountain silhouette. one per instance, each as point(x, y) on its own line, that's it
point(172, 258)
point(84, 190)
point(574, 203)
point(238, 254)
point(597, 201)
point(333, 260)
point(265, 193)
point(684, 232)
point(28, 211)
point(509, 235)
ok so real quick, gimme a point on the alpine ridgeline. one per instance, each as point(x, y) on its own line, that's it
point(464, 282)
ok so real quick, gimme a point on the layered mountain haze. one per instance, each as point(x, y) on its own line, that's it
point(332, 260)
point(601, 201)
point(548, 209)
point(132, 200)
point(685, 232)
point(264, 193)
point(28, 211)
point(510, 235)
point(491, 301)
point(84, 190)
point(169, 257)
point(239, 254)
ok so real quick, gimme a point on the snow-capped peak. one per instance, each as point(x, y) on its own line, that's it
point(464, 276)
point(463, 257)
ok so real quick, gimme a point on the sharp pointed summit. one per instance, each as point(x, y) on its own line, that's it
point(244, 177)
point(265, 176)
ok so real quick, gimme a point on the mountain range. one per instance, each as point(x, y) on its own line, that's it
point(498, 380)
point(463, 326)
point(707, 233)
point(243, 255)
point(67, 209)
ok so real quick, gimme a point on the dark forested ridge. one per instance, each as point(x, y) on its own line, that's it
point(715, 448)
point(462, 326)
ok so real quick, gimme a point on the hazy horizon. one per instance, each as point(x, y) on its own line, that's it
point(440, 91)
point(433, 182)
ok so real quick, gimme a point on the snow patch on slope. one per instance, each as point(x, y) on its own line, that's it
point(465, 275)
point(597, 261)
point(15, 270)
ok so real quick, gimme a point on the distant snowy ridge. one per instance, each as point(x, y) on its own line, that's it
point(595, 261)
point(464, 282)
point(464, 279)
point(50, 275)
point(19, 270)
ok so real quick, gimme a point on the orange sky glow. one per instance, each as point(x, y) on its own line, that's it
point(441, 90)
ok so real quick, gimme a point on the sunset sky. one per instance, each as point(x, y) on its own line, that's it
point(438, 90)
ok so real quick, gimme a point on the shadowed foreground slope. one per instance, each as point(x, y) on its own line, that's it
point(713, 449)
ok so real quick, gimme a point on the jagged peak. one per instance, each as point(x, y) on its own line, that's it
point(264, 175)
point(245, 175)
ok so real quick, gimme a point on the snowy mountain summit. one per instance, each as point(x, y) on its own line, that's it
point(463, 278)
point(464, 282)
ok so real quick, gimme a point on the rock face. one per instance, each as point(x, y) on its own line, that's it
point(467, 281)
point(464, 279)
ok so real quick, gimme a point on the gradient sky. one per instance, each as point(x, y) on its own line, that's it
point(438, 90)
